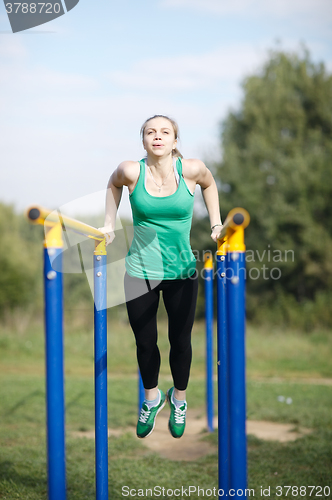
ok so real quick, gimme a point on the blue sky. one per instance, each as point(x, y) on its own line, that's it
point(75, 91)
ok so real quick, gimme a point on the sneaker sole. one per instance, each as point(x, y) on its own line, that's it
point(154, 423)
point(175, 437)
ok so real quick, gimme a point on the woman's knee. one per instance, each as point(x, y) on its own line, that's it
point(145, 347)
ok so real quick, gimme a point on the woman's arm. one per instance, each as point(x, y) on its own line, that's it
point(113, 198)
point(208, 185)
point(122, 176)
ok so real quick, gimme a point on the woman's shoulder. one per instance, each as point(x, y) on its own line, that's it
point(128, 166)
point(128, 171)
point(192, 168)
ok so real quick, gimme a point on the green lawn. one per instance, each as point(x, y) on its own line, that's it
point(278, 363)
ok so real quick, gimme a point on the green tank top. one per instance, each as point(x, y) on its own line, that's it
point(161, 249)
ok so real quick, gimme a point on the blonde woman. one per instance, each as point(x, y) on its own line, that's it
point(161, 191)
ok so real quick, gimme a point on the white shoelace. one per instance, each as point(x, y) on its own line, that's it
point(179, 415)
point(144, 415)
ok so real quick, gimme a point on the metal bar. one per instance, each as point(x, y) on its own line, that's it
point(223, 366)
point(231, 354)
point(44, 216)
point(208, 288)
point(235, 276)
point(55, 223)
point(55, 399)
point(141, 392)
point(100, 344)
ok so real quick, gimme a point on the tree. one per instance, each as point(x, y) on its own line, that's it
point(277, 163)
point(20, 261)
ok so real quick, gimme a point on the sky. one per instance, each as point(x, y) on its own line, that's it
point(74, 92)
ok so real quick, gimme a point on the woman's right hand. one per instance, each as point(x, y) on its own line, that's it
point(108, 232)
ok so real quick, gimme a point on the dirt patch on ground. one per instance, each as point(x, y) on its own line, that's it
point(273, 431)
point(190, 446)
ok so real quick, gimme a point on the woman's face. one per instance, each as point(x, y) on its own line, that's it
point(159, 139)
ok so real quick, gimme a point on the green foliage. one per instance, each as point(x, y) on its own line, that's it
point(277, 163)
point(20, 267)
point(201, 241)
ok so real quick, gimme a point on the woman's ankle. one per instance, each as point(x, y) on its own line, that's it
point(179, 395)
point(151, 394)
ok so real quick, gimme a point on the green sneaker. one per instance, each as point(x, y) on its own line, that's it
point(177, 419)
point(147, 418)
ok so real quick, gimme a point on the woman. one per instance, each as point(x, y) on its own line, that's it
point(161, 191)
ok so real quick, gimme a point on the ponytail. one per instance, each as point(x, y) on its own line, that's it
point(176, 153)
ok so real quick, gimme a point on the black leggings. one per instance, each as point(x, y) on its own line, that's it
point(180, 296)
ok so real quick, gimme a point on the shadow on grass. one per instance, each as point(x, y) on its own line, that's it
point(24, 401)
point(304, 462)
point(32, 483)
point(76, 399)
point(11, 477)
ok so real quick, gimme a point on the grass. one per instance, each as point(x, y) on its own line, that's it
point(278, 363)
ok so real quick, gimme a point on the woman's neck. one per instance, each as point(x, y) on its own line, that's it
point(160, 165)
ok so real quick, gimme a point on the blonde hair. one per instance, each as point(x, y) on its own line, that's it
point(175, 152)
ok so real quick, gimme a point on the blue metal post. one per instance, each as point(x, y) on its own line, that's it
point(208, 275)
point(55, 399)
point(100, 341)
point(223, 380)
point(141, 392)
point(237, 389)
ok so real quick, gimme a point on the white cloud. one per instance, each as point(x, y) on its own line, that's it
point(12, 47)
point(220, 70)
point(223, 66)
point(63, 133)
point(61, 138)
point(256, 8)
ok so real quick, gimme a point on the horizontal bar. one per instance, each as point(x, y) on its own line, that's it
point(237, 218)
point(40, 215)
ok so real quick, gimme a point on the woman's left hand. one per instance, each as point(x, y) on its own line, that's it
point(215, 232)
